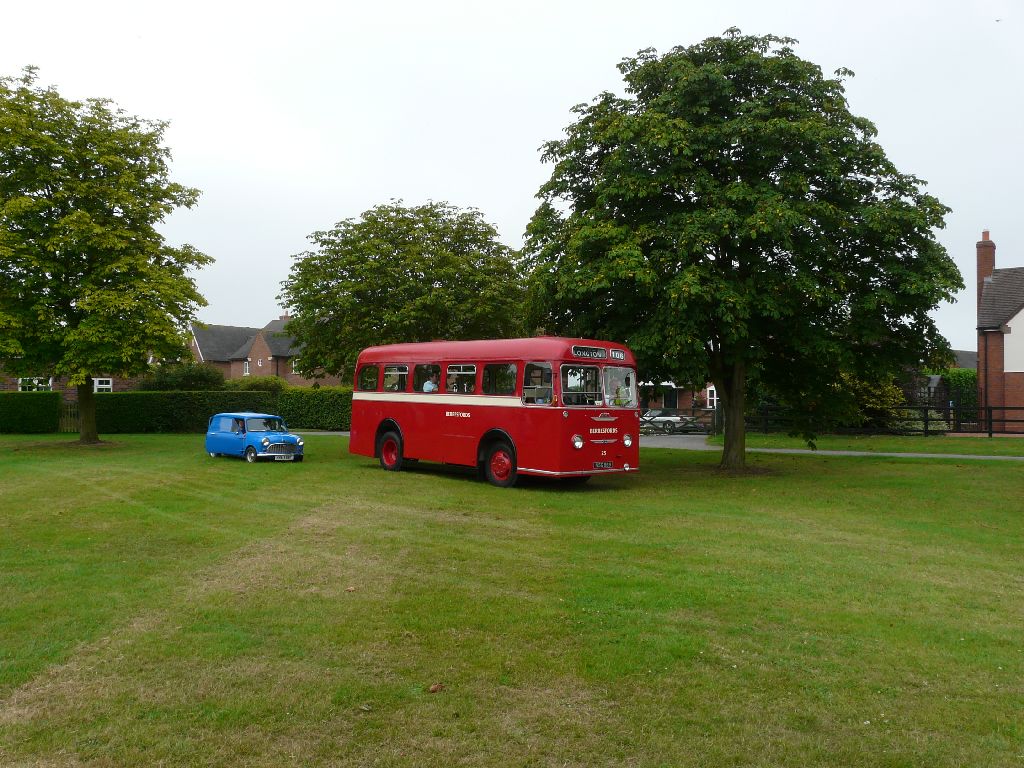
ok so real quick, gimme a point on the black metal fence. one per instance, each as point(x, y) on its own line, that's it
point(903, 420)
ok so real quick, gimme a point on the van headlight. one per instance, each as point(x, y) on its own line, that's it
point(299, 441)
point(627, 440)
point(265, 442)
point(577, 441)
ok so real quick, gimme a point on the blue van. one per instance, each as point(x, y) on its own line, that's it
point(252, 436)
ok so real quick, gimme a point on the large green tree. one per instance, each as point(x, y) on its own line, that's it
point(732, 220)
point(401, 274)
point(87, 284)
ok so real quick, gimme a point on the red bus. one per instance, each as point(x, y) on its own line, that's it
point(546, 406)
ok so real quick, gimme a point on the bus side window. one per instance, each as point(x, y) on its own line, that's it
point(461, 378)
point(421, 375)
point(396, 378)
point(367, 379)
point(500, 379)
point(537, 384)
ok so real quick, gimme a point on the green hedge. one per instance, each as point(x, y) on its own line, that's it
point(24, 412)
point(963, 386)
point(173, 411)
point(322, 408)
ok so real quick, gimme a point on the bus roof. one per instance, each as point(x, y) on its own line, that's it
point(538, 348)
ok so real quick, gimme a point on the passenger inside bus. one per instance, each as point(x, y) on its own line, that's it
point(452, 384)
point(431, 384)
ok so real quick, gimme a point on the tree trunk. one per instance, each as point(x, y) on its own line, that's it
point(733, 392)
point(87, 413)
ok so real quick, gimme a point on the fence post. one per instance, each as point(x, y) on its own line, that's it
point(988, 415)
point(926, 421)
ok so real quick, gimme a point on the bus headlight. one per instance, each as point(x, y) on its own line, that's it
point(577, 442)
point(265, 441)
point(627, 440)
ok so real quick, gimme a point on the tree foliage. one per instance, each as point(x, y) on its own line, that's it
point(87, 284)
point(731, 220)
point(400, 274)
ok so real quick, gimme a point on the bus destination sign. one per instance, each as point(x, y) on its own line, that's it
point(593, 353)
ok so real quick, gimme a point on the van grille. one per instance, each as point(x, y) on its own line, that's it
point(281, 448)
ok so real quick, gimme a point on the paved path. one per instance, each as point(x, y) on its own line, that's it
point(699, 443)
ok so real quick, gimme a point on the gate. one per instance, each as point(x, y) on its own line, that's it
point(68, 418)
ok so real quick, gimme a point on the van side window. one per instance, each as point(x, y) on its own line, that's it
point(368, 378)
point(500, 379)
point(537, 384)
point(396, 378)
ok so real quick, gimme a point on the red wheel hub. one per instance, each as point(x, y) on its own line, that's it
point(501, 465)
point(390, 452)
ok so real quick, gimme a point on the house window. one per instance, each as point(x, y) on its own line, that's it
point(259, 362)
point(245, 367)
point(35, 384)
point(295, 366)
point(712, 398)
point(102, 385)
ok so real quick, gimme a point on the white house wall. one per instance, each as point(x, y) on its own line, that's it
point(1013, 345)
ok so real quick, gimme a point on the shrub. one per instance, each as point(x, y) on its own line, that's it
point(25, 412)
point(274, 384)
point(189, 376)
point(173, 411)
point(963, 386)
point(322, 408)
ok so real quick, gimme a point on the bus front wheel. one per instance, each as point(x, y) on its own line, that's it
point(500, 465)
point(389, 448)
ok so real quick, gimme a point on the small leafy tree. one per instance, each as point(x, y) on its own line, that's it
point(731, 220)
point(401, 274)
point(87, 284)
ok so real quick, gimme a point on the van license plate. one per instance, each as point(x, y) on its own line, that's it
point(602, 465)
point(283, 458)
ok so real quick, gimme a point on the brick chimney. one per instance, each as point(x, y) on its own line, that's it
point(986, 262)
point(286, 316)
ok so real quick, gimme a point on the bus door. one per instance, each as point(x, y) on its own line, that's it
point(460, 419)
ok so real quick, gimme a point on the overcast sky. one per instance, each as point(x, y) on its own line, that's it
point(292, 117)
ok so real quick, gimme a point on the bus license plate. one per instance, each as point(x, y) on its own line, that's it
point(283, 458)
point(602, 465)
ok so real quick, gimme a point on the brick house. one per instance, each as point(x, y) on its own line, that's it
point(1000, 335)
point(100, 383)
point(239, 352)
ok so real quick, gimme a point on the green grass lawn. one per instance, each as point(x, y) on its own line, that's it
point(978, 446)
point(158, 607)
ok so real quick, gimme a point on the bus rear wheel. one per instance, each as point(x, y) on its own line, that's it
point(500, 465)
point(389, 448)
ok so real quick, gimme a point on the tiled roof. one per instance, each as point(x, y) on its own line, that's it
point(243, 351)
point(220, 342)
point(280, 343)
point(1001, 298)
point(966, 358)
